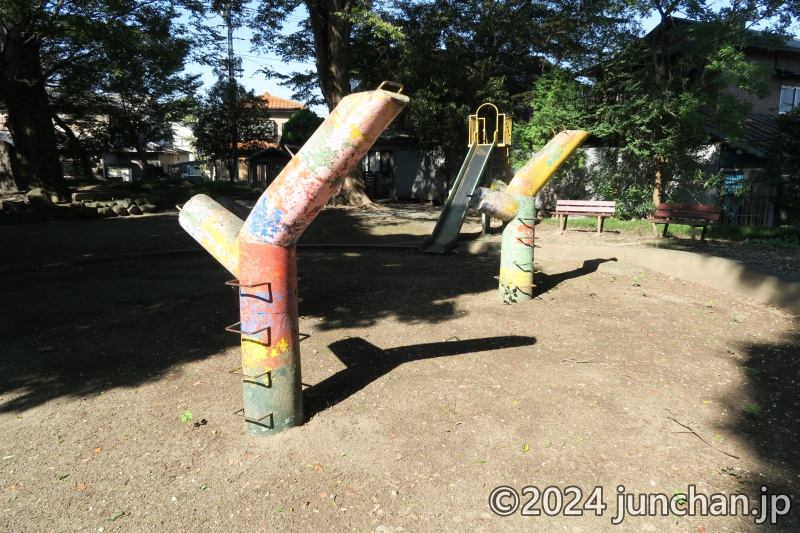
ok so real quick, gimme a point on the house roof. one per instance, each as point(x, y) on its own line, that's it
point(755, 39)
point(256, 145)
point(276, 102)
point(272, 150)
point(760, 132)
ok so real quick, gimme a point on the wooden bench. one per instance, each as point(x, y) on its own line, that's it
point(587, 208)
point(696, 216)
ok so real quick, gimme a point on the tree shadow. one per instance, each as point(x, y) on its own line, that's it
point(128, 301)
point(766, 414)
point(348, 288)
point(366, 362)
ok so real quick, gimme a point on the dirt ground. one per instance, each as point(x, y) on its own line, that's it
point(423, 391)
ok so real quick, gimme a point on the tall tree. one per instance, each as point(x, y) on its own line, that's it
point(657, 94)
point(453, 56)
point(324, 36)
point(146, 88)
point(42, 44)
point(220, 122)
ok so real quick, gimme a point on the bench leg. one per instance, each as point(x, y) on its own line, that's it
point(703, 233)
point(694, 234)
point(664, 233)
point(600, 221)
point(563, 222)
point(655, 229)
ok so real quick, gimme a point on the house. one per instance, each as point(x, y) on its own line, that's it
point(260, 161)
point(744, 159)
point(280, 111)
point(176, 157)
point(396, 168)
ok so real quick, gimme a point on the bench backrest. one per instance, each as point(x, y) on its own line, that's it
point(688, 212)
point(587, 206)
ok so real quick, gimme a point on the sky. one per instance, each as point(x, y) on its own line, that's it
point(250, 78)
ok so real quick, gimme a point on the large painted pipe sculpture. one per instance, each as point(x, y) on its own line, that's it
point(261, 253)
point(516, 206)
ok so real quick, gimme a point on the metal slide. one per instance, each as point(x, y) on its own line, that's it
point(445, 234)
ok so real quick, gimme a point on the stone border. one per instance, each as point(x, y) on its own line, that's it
point(37, 206)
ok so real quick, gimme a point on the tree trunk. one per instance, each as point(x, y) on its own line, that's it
point(83, 157)
point(141, 153)
point(22, 88)
point(658, 188)
point(331, 45)
point(9, 169)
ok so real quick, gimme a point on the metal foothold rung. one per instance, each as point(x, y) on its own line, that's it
point(240, 286)
point(236, 372)
point(393, 84)
point(519, 266)
point(232, 329)
point(237, 283)
point(254, 420)
point(523, 243)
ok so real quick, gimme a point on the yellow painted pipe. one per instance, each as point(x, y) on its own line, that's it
point(530, 179)
point(215, 228)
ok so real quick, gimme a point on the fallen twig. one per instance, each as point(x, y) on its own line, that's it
point(693, 432)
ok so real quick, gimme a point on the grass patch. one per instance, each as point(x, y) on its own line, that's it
point(778, 237)
point(636, 227)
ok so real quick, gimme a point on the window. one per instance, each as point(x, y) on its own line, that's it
point(790, 98)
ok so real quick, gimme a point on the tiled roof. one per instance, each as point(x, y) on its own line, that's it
point(256, 145)
point(276, 102)
point(761, 129)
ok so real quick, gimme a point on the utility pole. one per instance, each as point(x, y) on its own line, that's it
point(227, 14)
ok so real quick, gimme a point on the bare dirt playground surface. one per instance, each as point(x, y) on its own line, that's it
point(424, 391)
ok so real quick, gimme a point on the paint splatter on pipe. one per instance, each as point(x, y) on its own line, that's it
point(496, 204)
point(215, 228)
point(314, 174)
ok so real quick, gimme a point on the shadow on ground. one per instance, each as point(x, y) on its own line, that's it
point(366, 363)
point(768, 417)
point(127, 301)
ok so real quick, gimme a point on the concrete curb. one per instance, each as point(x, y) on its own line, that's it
point(716, 272)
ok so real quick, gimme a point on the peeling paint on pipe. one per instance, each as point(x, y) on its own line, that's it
point(496, 204)
point(314, 174)
point(516, 254)
point(261, 252)
point(215, 228)
point(270, 345)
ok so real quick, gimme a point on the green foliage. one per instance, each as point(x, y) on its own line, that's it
point(113, 69)
point(227, 116)
point(652, 100)
point(752, 410)
point(777, 237)
point(300, 127)
point(556, 103)
point(783, 170)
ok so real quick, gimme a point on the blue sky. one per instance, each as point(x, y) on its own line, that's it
point(250, 78)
